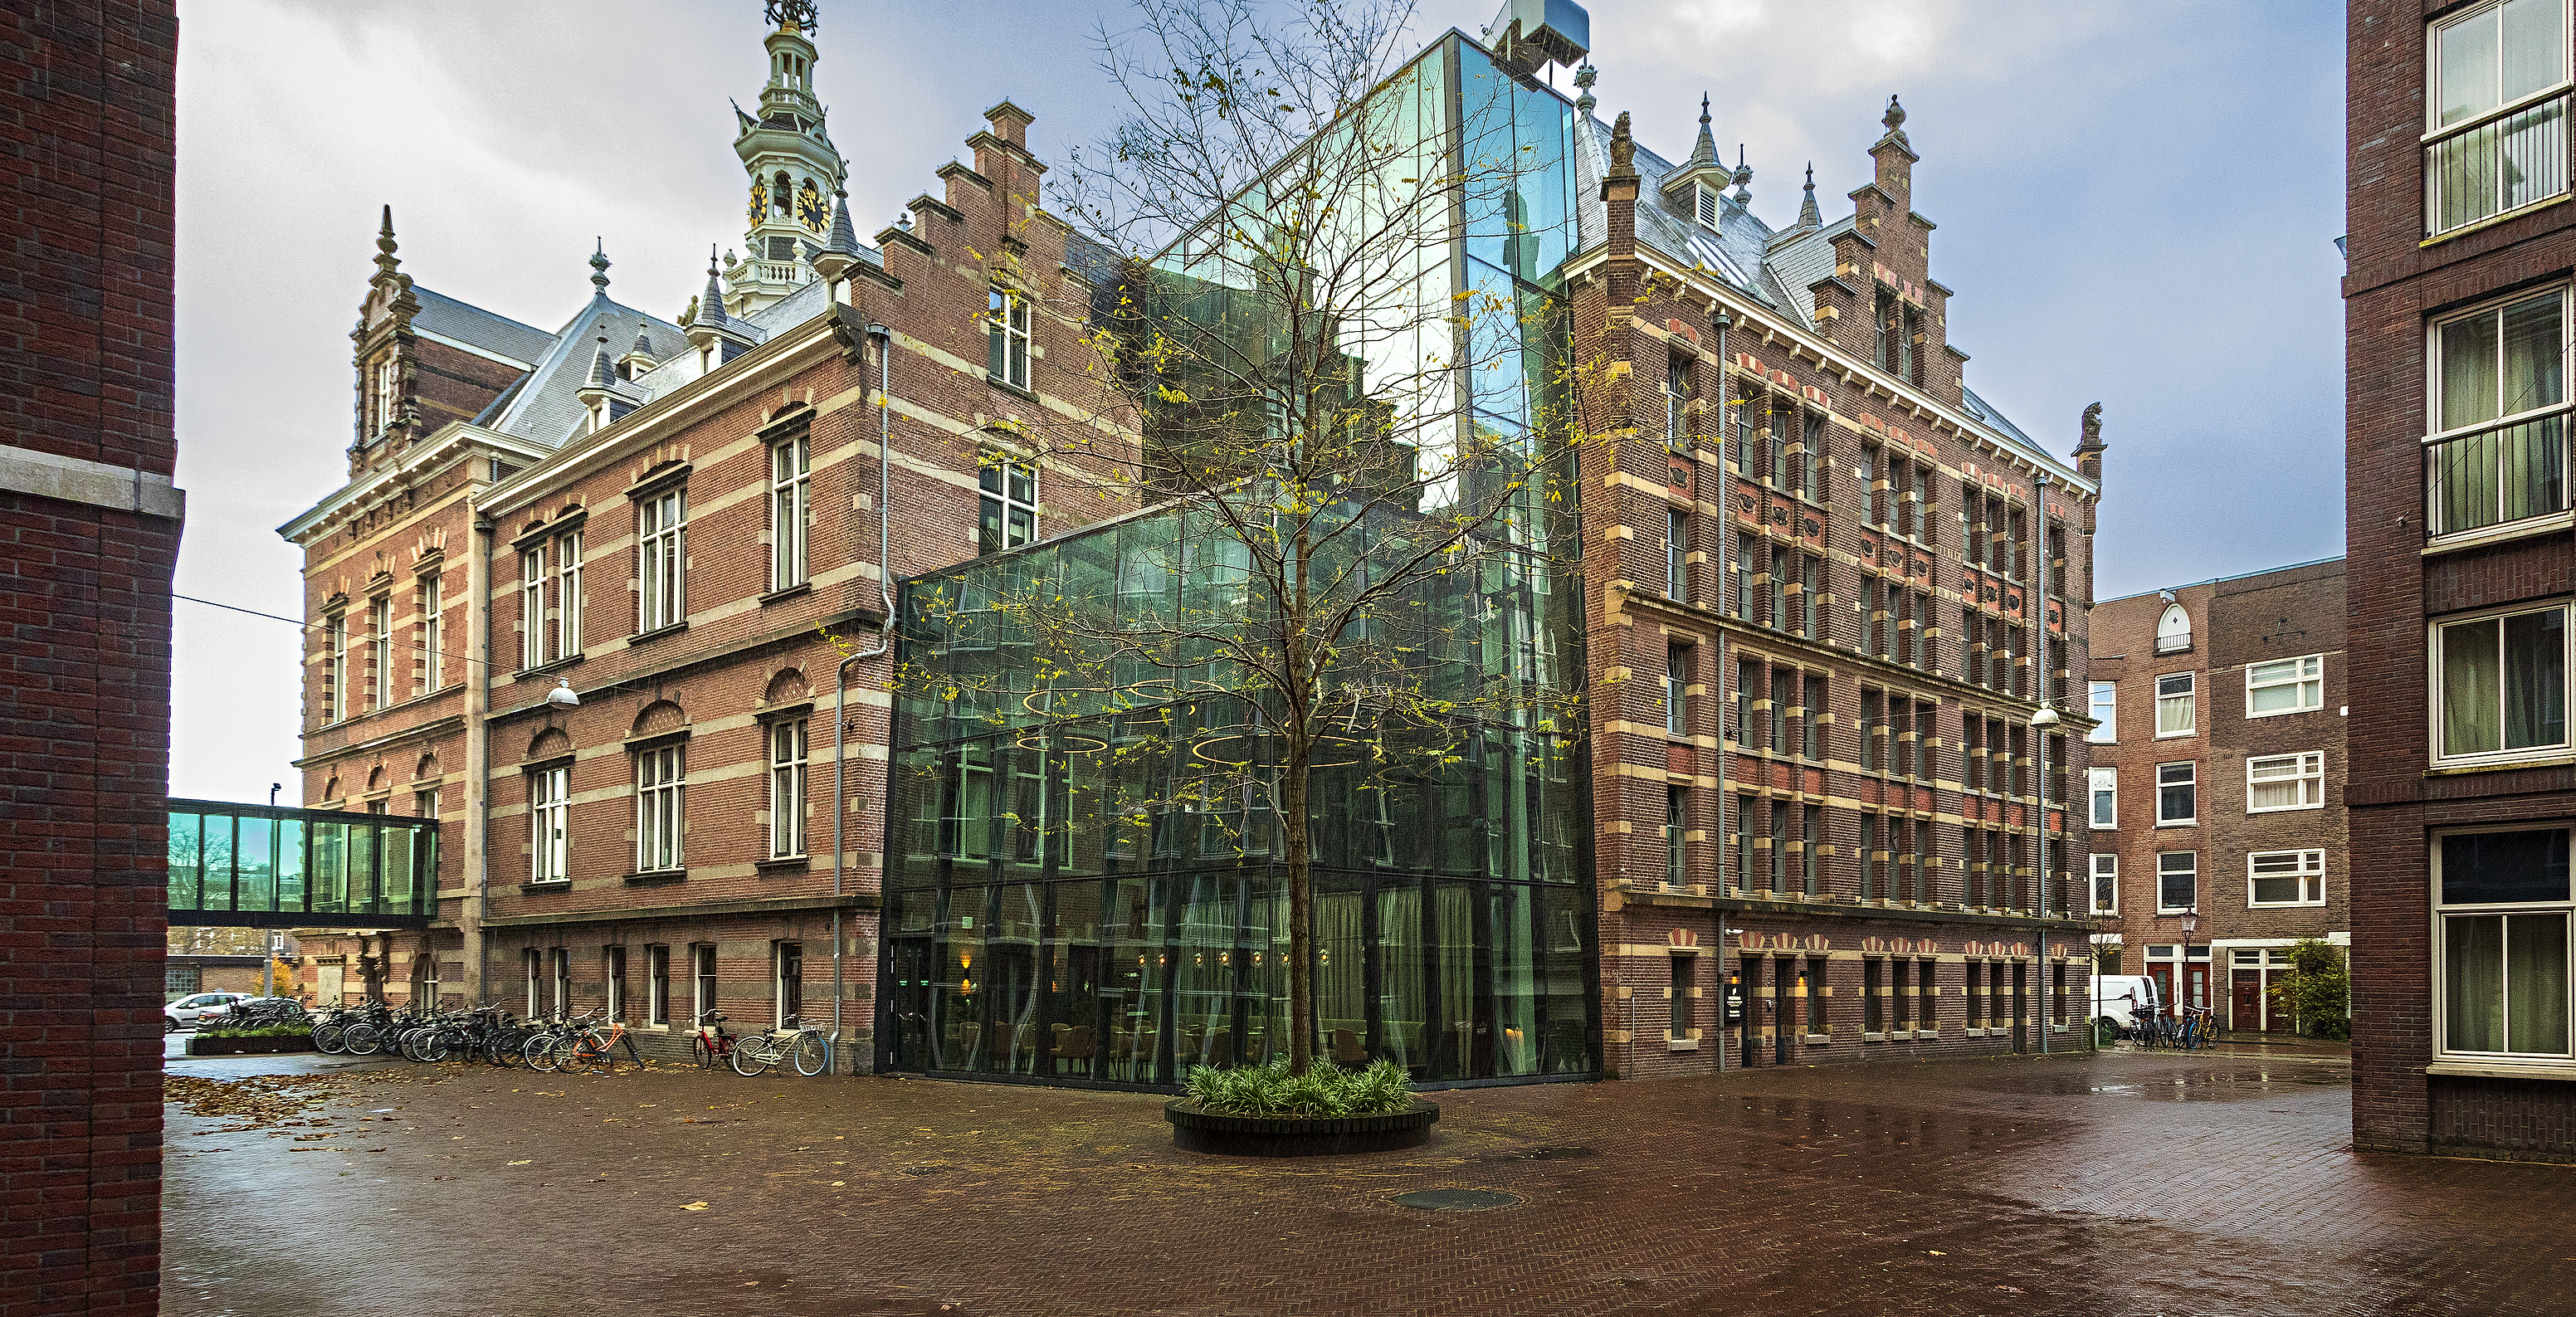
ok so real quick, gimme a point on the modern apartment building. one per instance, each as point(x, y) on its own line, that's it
point(2215, 788)
point(2461, 252)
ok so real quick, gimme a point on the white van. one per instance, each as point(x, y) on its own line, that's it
point(2121, 998)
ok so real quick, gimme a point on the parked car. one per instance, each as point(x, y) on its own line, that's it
point(2122, 998)
point(190, 1011)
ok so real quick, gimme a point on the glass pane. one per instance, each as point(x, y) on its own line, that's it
point(1400, 976)
point(397, 869)
point(364, 896)
point(2470, 693)
point(290, 864)
point(1206, 973)
point(2468, 372)
point(2469, 72)
point(2535, 978)
point(2535, 368)
point(2499, 868)
point(2535, 48)
point(2473, 983)
point(186, 861)
point(1341, 955)
point(2535, 679)
point(255, 864)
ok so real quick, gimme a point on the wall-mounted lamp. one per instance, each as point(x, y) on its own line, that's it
point(561, 696)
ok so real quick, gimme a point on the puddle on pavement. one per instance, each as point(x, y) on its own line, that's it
point(1454, 1200)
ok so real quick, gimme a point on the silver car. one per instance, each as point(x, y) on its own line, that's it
point(190, 1011)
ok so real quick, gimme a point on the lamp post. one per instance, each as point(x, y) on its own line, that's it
point(2182, 968)
point(2040, 723)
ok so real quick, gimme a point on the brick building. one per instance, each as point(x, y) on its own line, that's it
point(2460, 252)
point(593, 597)
point(2215, 791)
point(91, 525)
point(1831, 588)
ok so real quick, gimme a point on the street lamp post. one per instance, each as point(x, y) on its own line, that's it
point(2182, 968)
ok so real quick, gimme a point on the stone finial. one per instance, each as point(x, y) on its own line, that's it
point(1809, 217)
point(388, 265)
point(1895, 117)
point(1623, 148)
point(710, 314)
point(1584, 77)
point(599, 265)
point(1743, 178)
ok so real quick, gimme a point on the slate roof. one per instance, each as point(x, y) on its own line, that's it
point(497, 334)
point(545, 407)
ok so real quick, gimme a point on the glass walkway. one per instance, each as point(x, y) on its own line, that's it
point(268, 866)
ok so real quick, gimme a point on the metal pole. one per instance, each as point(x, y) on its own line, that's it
point(841, 674)
point(2039, 685)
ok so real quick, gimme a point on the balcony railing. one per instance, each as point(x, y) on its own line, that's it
point(2506, 162)
point(2496, 476)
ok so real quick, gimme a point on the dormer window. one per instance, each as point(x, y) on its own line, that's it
point(1707, 205)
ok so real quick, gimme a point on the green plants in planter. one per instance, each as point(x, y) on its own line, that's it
point(259, 1031)
point(1325, 1091)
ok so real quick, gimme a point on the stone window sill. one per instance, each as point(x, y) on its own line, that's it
point(547, 885)
point(657, 876)
point(1681, 1044)
point(1814, 1039)
point(2486, 1070)
point(784, 864)
point(798, 590)
point(657, 633)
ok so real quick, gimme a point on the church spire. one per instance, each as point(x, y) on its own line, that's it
point(1704, 153)
point(791, 164)
point(1808, 216)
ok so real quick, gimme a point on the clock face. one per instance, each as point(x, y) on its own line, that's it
point(811, 210)
point(759, 201)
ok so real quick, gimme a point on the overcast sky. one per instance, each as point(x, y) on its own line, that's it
point(2137, 205)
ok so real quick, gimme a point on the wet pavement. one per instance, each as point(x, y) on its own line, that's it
point(2123, 1183)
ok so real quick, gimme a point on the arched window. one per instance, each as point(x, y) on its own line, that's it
point(780, 198)
point(2173, 630)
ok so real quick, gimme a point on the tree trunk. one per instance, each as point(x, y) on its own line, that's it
point(1301, 920)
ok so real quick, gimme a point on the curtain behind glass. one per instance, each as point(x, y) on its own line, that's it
point(2473, 983)
point(2468, 372)
point(2535, 679)
point(2535, 48)
point(2535, 975)
point(2470, 694)
point(2534, 356)
point(2469, 68)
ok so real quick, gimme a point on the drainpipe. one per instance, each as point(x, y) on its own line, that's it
point(1719, 321)
point(884, 645)
point(478, 755)
point(2040, 725)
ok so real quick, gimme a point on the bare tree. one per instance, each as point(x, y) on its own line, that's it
point(1367, 443)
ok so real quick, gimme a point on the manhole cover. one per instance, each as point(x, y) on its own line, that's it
point(1455, 1200)
point(925, 1170)
point(1557, 1154)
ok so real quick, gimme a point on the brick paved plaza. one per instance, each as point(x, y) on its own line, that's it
point(2112, 1184)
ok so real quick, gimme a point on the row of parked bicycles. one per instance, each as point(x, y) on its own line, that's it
point(2196, 1028)
point(589, 1043)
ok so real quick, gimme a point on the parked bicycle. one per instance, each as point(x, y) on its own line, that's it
point(712, 1044)
point(807, 1046)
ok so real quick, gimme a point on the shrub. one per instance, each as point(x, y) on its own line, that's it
point(1325, 1091)
point(2318, 988)
point(257, 1031)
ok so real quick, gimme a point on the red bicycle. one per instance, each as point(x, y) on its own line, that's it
point(711, 1045)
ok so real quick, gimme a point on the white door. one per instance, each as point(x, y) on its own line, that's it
point(328, 993)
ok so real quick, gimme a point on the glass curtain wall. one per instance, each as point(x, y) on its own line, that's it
point(1085, 883)
point(265, 860)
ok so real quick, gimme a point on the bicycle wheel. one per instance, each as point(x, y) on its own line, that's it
point(813, 1054)
point(361, 1040)
point(582, 1052)
point(700, 1053)
point(750, 1059)
point(539, 1053)
point(331, 1038)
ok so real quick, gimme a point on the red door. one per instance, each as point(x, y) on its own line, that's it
point(2246, 1000)
point(2163, 974)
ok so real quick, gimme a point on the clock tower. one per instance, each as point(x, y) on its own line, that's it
point(794, 172)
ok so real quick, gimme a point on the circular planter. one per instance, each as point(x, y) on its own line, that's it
point(1194, 1130)
point(262, 1045)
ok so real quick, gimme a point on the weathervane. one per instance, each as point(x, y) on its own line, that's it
point(798, 14)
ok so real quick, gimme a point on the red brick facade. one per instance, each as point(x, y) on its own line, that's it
point(732, 694)
point(1884, 846)
point(91, 525)
point(2274, 623)
point(2400, 281)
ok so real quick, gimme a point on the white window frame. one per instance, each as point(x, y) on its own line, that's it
point(561, 958)
point(1707, 206)
point(532, 607)
point(661, 809)
point(661, 560)
point(2435, 691)
point(335, 661)
point(388, 391)
point(2165, 869)
point(1001, 498)
point(1676, 692)
point(778, 980)
point(536, 981)
point(2306, 770)
point(2307, 676)
point(657, 985)
point(2102, 867)
point(433, 644)
point(2102, 704)
point(2101, 784)
point(2191, 769)
point(550, 824)
point(612, 967)
point(2553, 1063)
point(702, 980)
point(2187, 696)
point(566, 631)
point(2494, 430)
point(2172, 639)
point(1676, 546)
point(2438, 134)
point(791, 511)
point(2306, 867)
point(787, 777)
point(1007, 338)
point(380, 648)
